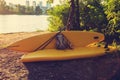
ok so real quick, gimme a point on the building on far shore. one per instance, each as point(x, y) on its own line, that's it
point(34, 5)
point(27, 3)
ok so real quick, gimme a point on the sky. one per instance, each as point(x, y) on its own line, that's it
point(16, 1)
point(24, 1)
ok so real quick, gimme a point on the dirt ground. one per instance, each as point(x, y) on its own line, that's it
point(100, 68)
point(10, 66)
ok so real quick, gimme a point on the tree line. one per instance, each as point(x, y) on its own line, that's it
point(93, 15)
point(18, 9)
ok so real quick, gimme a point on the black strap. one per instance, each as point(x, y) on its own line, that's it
point(46, 43)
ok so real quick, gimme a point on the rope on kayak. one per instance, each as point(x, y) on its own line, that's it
point(61, 41)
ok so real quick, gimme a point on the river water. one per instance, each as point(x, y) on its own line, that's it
point(23, 23)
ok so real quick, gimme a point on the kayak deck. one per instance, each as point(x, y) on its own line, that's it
point(55, 55)
point(76, 38)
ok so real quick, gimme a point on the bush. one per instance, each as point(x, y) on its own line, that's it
point(58, 18)
point(55, 23)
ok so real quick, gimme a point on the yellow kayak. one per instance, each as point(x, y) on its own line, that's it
point(77, 38)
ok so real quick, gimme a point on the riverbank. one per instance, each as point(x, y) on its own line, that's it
point(99, 68)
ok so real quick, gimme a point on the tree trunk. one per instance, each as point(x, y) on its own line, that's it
point(71, 15)
point(74, 16)
point(77, 23)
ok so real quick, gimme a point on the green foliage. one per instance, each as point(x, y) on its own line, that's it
point(59, 15)
point(59, 10)
point(92, 15)
point(50, 1)
point(55, 23)
point(112, 10)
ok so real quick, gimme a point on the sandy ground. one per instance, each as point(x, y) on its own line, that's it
point(101, 68)
point(10, 66)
